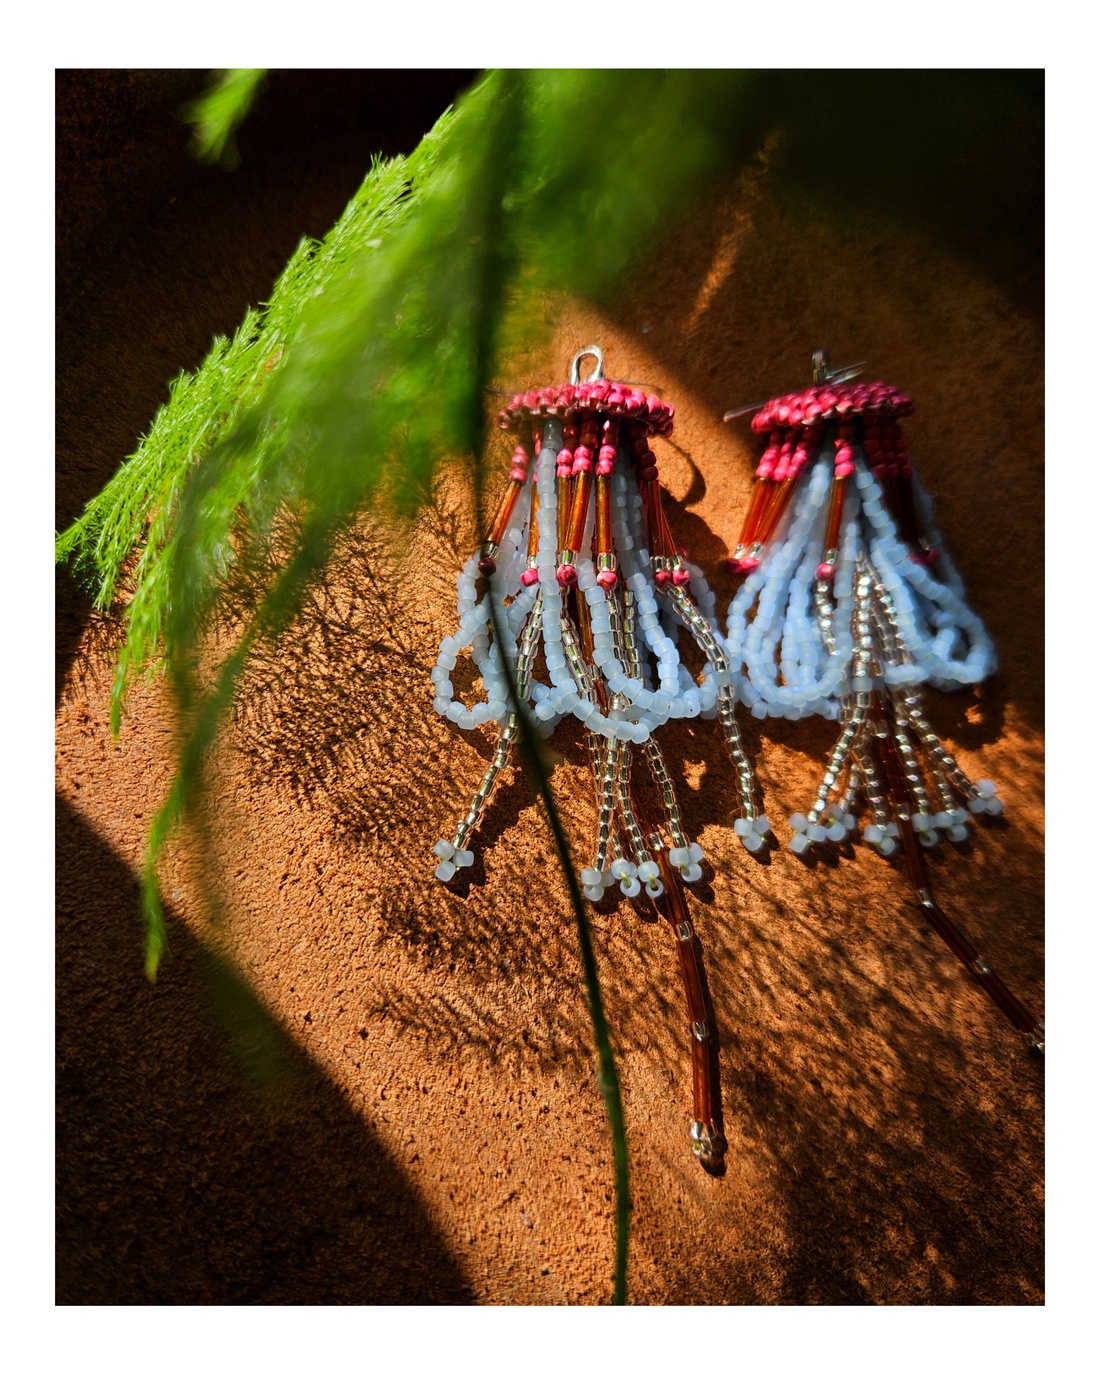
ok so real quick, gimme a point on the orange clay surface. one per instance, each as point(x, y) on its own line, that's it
point(358, 1086)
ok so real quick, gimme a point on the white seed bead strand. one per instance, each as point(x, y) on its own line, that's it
point(948, 644)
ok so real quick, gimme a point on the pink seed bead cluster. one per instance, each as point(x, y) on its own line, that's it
point(614, 398)
point(846, 432)
point(830, 401)
point(885, 450)
point(520, 459)
point(645, 464)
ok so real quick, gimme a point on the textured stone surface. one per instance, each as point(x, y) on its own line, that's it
point(392, 1097)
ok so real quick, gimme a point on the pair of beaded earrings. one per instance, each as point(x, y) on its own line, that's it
point(848, 606)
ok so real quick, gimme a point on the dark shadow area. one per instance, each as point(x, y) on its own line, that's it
point(202, 1158)
point(157, 253)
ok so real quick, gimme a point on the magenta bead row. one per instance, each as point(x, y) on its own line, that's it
point(612, 397)
point(829, 401)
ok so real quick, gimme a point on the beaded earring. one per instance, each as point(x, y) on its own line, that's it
point(582, 565)
point(849, 605)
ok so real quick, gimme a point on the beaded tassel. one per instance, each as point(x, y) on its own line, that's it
point(583, 565)
point(849, 606)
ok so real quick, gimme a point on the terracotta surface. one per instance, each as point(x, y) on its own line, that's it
point(357, 1086)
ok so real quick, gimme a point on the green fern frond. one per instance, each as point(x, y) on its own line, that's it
point(219, 113)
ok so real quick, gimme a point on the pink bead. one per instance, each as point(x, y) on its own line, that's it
point(487, 566)
point(518, 474)
point(604, 469)
point(581, 463)
point(681, 576)
point(567, 575)
point(843, 470)
point(932, 556)
point(734, 564)
point(607, 579)
point(826, 571)
point(749, 565)
point(529, 576)
point(662, 577)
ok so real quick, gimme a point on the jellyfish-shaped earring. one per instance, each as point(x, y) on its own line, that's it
point(849, 606)
point(582, 566)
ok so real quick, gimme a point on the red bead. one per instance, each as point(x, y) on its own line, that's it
point(529, 576)
point(567, 575)
point(680, 576)
point(486, 565)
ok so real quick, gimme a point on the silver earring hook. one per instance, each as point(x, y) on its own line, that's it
point(821, 373)
point(596, 375)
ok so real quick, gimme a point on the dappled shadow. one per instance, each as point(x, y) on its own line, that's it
point(896, 1113)
point(202, 1157)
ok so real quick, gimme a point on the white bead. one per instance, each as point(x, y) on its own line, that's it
point(445, 872)
point(464, 857)
point(692, 873)
point(590, 876)
point(622, 868)
point(835, 831)
point(762, 825)
point(873, 834)
point(695, 853)
point(593, 891)
point(887, 846)
point(648, 871)
point(443, 849)
point(654, 888)
point(742, 827)
point(815, 833)
point(799, 843)
point(798, 822)
point(752, 841)
point(630, 887)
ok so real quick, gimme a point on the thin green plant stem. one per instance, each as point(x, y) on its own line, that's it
point(496, 267)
